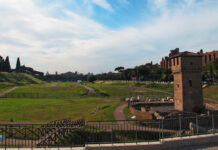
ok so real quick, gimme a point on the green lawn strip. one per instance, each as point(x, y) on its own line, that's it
point(211, 92)
point(44, 110)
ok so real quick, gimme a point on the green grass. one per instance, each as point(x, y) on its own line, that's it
point(5, 86)
point(211, 92)
point(120, 90)
point(43, 110)
point(48, 90)
point(161, 87)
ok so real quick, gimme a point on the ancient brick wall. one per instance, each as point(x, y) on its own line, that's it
point(209, 57)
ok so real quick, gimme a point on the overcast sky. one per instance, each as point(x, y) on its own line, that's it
point(99, 35)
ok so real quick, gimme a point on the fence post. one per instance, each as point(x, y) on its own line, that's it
point(180, 126)
point(162, 124)
point(5, 136)
point(197, 124)
point(159, 130)
point(112, 132)
point(136, 133)
point(213, 129)
point(32, 137)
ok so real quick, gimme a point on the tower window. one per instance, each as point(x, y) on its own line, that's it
point(205, 59)
point(209, 57)
point(190, 83)
point(174, 63)
point(177, 60)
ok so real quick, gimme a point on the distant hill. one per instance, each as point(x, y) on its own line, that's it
point(18, 78)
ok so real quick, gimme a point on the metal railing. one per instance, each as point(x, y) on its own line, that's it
point(66, 133)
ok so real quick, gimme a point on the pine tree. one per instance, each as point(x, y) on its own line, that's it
point(18, 64)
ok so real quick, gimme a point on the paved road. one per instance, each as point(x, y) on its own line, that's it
point(7, 91)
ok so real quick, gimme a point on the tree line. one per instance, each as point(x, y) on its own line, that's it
point(147, 72)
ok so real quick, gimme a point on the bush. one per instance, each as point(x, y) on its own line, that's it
point(91, 78)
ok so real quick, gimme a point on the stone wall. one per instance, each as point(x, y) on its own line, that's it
point(141, 115)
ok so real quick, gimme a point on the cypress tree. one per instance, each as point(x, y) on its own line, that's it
point(1, 63)
point(18, 64)
point(7, 66)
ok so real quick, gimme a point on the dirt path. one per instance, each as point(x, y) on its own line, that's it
point(119, 114)
point(54, 84)
point(7, 91)
point(91, 90)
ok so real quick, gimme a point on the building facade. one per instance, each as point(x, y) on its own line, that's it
point(187, 68)
point(165, 62)
point(206, 58)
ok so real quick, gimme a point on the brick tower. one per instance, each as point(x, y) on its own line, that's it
point(187, 68)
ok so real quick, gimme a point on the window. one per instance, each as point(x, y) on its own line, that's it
point(178, 85)
point(174, 63)
point(191, 63)
point(214, 57)
point(205, 57)
point(209, 57)
point(177, 60)
point(190, 83)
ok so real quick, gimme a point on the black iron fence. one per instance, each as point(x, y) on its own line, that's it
point(67, 133)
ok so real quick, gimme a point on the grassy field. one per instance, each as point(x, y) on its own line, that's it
point(43, 110)
point(211, 92)
point(45, 102)
point(50, 101)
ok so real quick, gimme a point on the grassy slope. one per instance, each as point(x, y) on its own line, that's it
point(9, 80)
point(211, 92)
point(5, 86)
point(18, 78)
point(48, 90)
